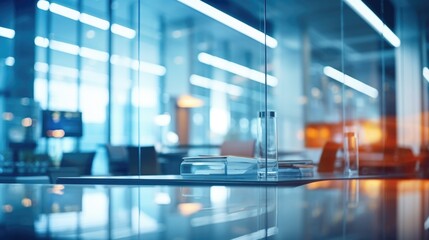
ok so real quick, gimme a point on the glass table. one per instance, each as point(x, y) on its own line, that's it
point(330, 209)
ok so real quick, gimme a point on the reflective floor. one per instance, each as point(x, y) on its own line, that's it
point(353, 209)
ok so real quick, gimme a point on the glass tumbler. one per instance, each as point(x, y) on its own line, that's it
point(266, 145)
point(351, 154)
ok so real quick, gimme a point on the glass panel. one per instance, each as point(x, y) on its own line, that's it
point(196, 85)
point(369, 61)
point(343, 66)
point(186, 77)
point(310, 104)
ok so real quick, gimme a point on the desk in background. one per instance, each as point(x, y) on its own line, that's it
point(42, 179)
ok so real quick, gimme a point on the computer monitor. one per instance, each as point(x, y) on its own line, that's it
point(58, 124)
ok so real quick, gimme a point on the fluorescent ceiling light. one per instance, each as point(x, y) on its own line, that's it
point(64, 47)
point(43, 5)
point(230, 21)
point(215, 85)
point(98, 55)
point(94, 21)
point(350, 82)
point(146, 67)
point(237, 69)
point(68, 71)
point(426, 73)
point(41, 67)
point(41, 42)
point(86, 18)
point(123, 31)
point(152, 68)
point(64, 11)
point(94, 54)
point(120, 60)
point(72, 49)
point(375, 22)
point(7, 32)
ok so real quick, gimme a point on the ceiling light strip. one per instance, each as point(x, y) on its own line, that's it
point(123, 31)
point(64, 47)
point(86, 18)
point(152, 68)
point(350, 82)
point(43, 5)
point(7, 32)
point(68, 71)
point(230, 21)
point(41, 42)
point(98, 55)
point(94, 21)
point(237, 69)
point(64, 11)
point(375, 22)
point(41, 67)
point(94, 54)
point(146, 67)
point(215, 85)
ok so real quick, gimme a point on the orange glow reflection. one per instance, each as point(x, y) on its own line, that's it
point(371, 132)
point(27, 122)
point(7, 208)
point(56, 133)
point(319, 185)
point(187, 209)
point(311, 132)
point(26, 202)
point(426, 185)
point(188, 101)
point(412, 186)
point(324, 133)
point(57, 189)
point(371, 188)
point(8, 116)
point(316, 134)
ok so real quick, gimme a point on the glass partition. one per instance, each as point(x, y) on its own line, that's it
point(351, 66)
point(176, 78)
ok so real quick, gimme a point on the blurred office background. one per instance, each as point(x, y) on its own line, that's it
point(189, 74)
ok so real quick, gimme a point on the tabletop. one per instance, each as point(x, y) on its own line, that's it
point(238, 180)
point(332, 209)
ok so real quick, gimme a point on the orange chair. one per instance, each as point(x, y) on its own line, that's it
point(328, 157)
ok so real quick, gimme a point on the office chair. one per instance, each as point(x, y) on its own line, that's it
point(328, 157)
point(80, 160)
point(118, 159)
point(144, 157)
point(238, 148)
point(409, 161)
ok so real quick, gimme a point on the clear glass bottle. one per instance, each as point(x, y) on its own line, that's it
point(351, 154)
point(266, 145)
